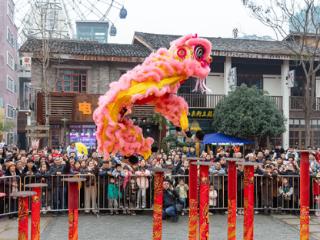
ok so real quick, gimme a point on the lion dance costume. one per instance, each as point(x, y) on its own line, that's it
point(155, 82)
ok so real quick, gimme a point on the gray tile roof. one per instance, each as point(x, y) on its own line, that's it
point(144, 43)
point(78, 47)
point(156, 41)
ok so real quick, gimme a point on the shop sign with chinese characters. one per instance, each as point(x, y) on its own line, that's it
point(85, 108)
point(84, 105)
point(201, 113)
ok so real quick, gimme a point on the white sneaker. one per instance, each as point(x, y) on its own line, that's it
point(44, 211)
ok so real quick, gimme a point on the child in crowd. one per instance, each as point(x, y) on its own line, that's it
point(316, 194)
point(133, 193)
point(119, 176)
point(285, 193)
point(212, 198)
point(182, 190)
point(127, 172)
point(44, 176)
point(143, 175)
point(113, 196)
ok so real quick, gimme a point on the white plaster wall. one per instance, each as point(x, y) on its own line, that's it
point(317, 87)
point(215, 82)
point(272, 84)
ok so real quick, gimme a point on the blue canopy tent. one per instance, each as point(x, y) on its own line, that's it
point(222, 139)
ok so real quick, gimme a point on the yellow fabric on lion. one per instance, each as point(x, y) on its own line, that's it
point(137, 88)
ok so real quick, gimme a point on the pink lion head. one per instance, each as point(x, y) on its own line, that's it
point(194, 53)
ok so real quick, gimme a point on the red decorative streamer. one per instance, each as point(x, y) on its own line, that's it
point(204, 203)
point(193, 200)
point(304, 195)
point(232, 200)
point(73, 195)
point(35, 214)
point(23, 218)
point(248, 202)
point(157, 209)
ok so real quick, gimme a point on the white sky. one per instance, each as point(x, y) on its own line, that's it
point(211, 18)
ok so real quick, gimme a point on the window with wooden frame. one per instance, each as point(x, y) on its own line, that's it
point(72, 80)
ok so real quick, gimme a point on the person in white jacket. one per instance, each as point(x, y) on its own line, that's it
point(143, 175)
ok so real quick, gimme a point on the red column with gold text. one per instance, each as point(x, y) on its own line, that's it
point(35, 214)
point(248, 202)
point(23, 218)
point(204, 203)
point(232, 199)
point(73, 194)
point(304, 195)
point(193, 200)
point(157, 208)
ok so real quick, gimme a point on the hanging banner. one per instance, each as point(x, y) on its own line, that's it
point(232, 78)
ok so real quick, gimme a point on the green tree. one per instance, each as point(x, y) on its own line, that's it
point(248, 113)
point(5, 124)
point(297, 23)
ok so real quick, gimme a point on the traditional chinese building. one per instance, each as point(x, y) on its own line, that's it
point(80, 71)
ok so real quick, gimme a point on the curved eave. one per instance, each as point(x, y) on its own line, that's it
point(252, 55)
point(82, 57)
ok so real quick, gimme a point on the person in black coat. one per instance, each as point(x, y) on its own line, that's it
point(59, 190)
point(170, 198)
point(30, 170)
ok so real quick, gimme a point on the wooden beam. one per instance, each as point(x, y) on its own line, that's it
point(92, 58)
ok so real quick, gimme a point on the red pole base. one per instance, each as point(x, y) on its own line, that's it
point(193, 200)
point(157, 208)
point(304, 195)
point(204, 203)
point(232, 200)
point(23, 218)
point(73, 195)
point(35, 214)
point(248, 202)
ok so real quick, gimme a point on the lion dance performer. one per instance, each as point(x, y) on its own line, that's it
point(155, 82)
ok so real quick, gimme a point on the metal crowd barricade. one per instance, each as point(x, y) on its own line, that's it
point(8, 204)
point(125, 194)
point(100, 193)
point(55, 196)
point(267, 192)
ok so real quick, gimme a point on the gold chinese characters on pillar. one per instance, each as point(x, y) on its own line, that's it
point(85, 108)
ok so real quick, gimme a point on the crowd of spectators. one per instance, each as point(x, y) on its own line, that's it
point(125, 183)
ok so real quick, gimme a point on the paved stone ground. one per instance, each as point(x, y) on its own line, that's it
point(294, 222)
point(140, 227)
point(277, 227)
point(9, 227)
